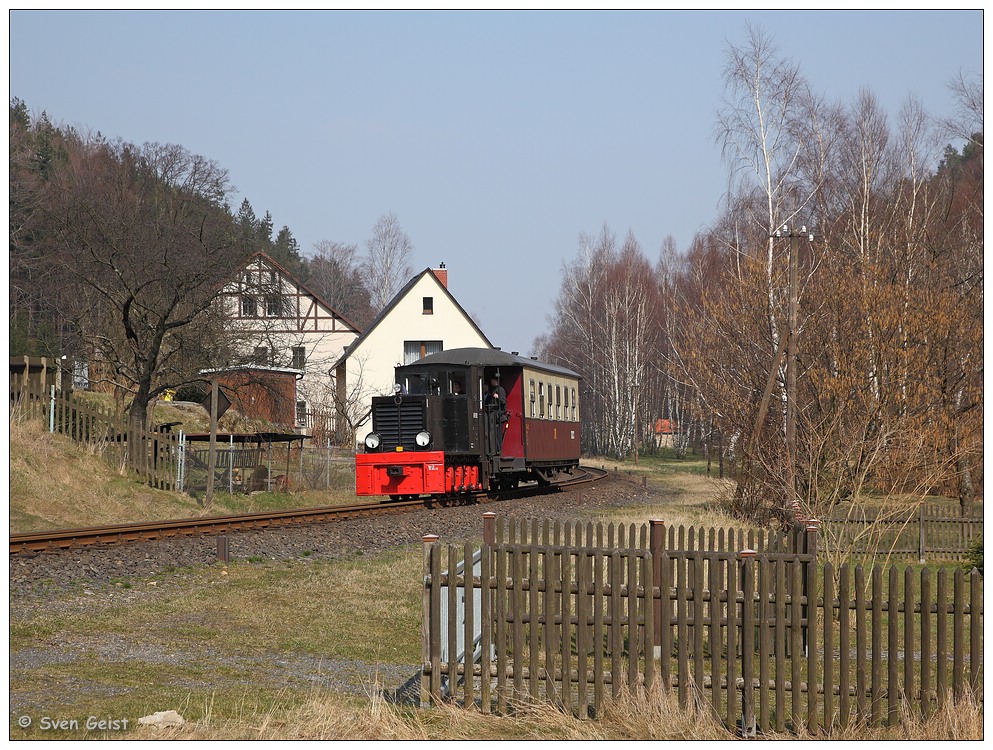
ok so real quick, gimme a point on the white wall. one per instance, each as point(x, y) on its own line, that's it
point(376, 357)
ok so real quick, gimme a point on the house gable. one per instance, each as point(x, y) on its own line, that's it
point(264, 294)
point(423, 315)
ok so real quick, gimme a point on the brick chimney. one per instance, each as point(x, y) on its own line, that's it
point(441, 274)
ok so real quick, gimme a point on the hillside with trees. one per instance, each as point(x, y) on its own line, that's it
point(118, 253)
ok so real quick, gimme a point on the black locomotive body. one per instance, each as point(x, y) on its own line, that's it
point(470, 419)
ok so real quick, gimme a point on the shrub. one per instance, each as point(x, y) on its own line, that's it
point(975, 557)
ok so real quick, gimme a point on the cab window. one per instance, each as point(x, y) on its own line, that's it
point(456, 383)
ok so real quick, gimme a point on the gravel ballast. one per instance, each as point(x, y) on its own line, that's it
point(51, 574)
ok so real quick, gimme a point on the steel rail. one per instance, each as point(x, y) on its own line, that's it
point(64, 539)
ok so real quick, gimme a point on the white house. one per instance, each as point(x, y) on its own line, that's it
point(281, 323)
point(423, 318)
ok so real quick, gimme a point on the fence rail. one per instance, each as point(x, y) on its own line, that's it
point(927, 532)
point(768, 638)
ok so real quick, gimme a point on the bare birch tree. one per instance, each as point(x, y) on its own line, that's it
point(387, 260)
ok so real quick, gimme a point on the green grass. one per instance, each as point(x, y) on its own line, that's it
point(217, 632)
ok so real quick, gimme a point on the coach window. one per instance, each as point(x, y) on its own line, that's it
point(573, 404)
point(541, 399)
point(558, 402)
point(565, 401)
point(532, 397)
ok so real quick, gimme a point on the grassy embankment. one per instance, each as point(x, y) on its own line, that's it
point(55, 483)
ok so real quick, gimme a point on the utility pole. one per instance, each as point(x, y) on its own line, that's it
point(635, 388)
point(791, 354)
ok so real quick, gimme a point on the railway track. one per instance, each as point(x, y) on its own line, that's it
point(65, 539)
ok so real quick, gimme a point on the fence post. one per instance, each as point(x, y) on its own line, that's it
point(655, 547)
point(489, 528)
point(810, 631)
point(920, 523)
point(811, 528)
point(223, 550)
point(181, 462)
point(51, 411)
point(748, 723)
point(430, 660)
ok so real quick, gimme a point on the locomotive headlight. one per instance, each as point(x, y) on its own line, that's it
point(423, 439)
point(372, 441)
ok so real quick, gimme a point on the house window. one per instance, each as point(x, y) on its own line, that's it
point(415, 350)
point(273, 305)
point(249, 308)
point(299, 358)
point(429, 305)
point(301, 413)
point(261, 355)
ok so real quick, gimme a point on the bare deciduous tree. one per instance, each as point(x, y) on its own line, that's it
point(387, 260)
point(336, 275)
point(142, 236)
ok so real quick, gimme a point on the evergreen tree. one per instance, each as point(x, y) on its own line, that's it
point(286, 252)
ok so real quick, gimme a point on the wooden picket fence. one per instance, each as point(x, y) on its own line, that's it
point(928, 532)
point(767, 637)
point(153, 455)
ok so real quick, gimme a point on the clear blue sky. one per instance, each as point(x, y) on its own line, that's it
point(495, 137)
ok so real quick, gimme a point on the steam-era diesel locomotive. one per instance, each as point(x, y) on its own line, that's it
point(470, 419)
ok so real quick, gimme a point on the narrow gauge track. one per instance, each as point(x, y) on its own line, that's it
point(65, 539)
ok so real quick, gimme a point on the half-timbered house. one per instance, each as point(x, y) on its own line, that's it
point(279, 322)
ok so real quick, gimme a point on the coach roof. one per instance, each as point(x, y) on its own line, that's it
point(491, 358)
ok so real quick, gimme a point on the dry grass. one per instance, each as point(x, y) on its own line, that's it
point(687, 497)
point(55, 483)
point(656, 716)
